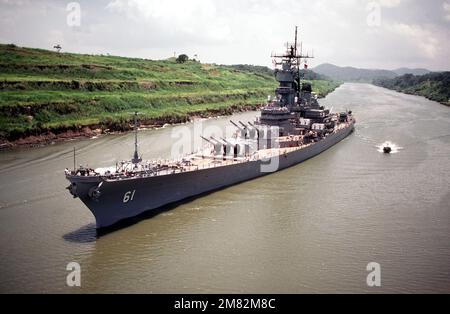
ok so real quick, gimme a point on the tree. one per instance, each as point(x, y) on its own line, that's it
point(182, 58)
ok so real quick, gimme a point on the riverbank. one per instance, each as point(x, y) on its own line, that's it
point(108, 126)
point(96, 130)
point(433, 86)
point(415, 93)
point(47, 97)
point(63, 134)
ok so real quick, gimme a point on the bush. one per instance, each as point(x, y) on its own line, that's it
point(182, 58)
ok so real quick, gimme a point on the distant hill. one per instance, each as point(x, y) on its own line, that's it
point(263, 70)
point(311, 75)
point(434, 86)
point(403, 71)
point(351, 74)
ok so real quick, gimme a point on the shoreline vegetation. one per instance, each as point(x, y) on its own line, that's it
point(48, 97)
point(433, 86)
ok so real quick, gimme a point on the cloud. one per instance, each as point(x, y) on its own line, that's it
point(446, 6)
point(411, 32)
point(163, 9)
point(189, 18)
point(390, 3)
point(423, 37)
point(15, 2)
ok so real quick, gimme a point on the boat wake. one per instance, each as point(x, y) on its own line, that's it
point(394, 147)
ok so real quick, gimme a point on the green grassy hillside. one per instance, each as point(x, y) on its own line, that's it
point(43, 91)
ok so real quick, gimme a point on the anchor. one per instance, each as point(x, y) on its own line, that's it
point(95, 193)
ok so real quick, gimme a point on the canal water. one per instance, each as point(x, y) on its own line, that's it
point(312, 228)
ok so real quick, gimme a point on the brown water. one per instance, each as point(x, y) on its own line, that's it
point(310, 228)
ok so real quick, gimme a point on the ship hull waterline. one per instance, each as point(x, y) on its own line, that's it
point(122, 199)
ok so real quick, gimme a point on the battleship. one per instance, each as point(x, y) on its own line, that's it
point(291, 128)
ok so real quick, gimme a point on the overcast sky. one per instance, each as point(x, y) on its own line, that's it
point(364, 33)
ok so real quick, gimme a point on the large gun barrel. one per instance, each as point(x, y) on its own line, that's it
point(243, 124)
point(231, 144)
point(214, 139)
point(233, 123)
point(251, 124)
point(207, 140)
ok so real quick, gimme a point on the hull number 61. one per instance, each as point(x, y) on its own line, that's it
point(128, 196)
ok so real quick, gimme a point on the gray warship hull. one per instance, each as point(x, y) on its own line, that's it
point(120, 199)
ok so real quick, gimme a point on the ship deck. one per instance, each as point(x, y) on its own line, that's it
point(198, 161)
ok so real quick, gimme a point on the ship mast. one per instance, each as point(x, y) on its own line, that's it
point(298, 65)
point(295, 44)
point(136, 158)
point(293, 59)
